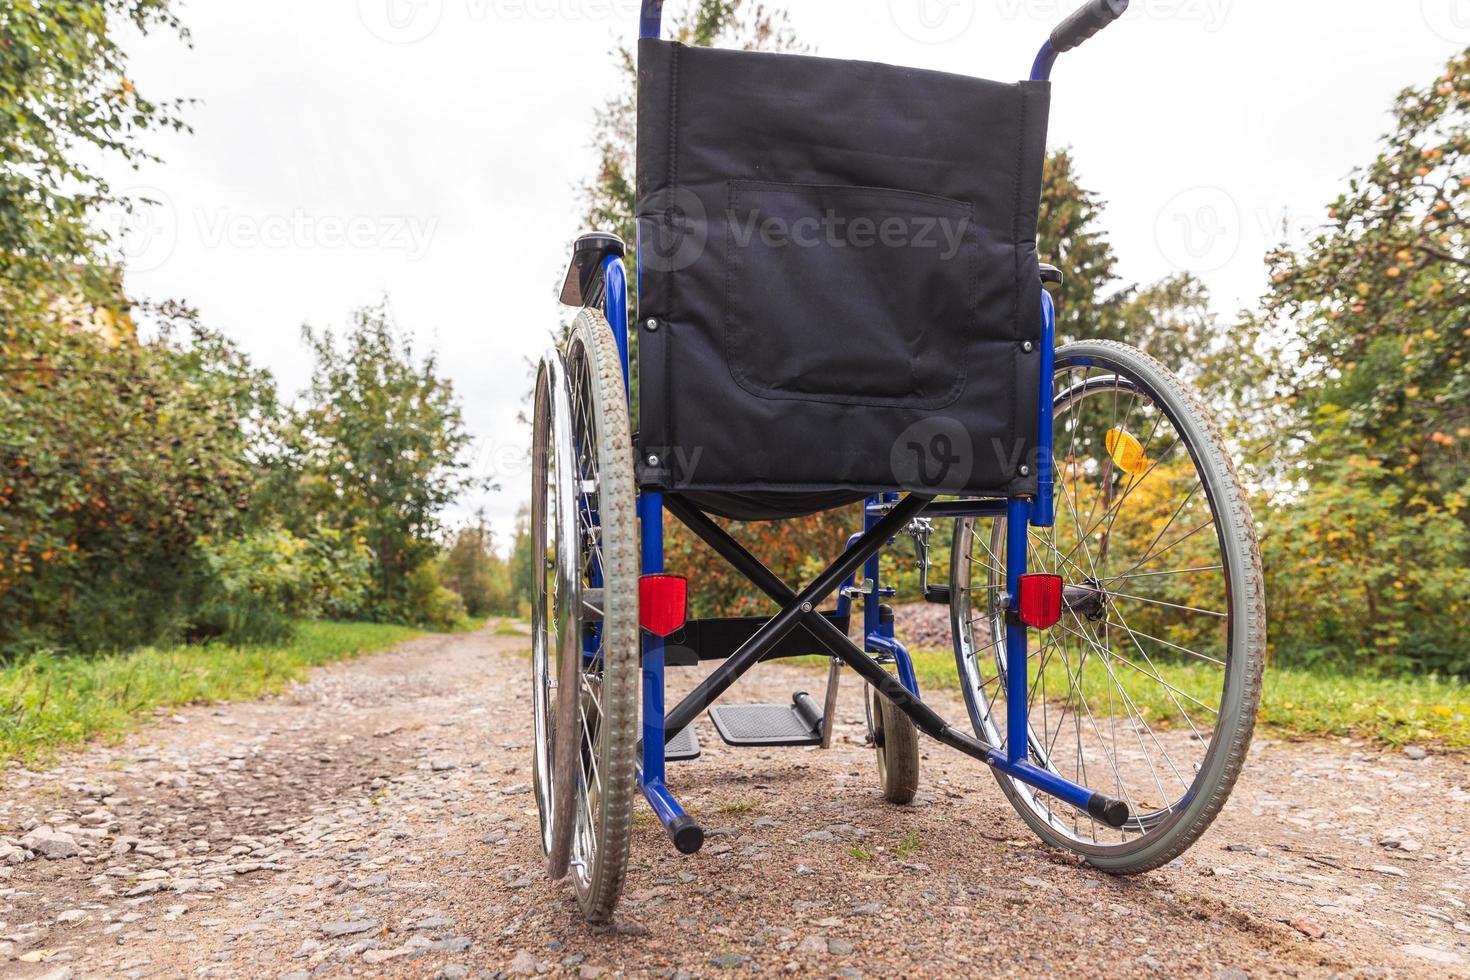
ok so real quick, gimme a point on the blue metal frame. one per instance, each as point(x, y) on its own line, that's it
point(879, 639)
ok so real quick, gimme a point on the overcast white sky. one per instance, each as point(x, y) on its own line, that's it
point(428, 150)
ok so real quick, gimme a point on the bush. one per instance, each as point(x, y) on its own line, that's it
point(115, 460)
point(261, 583)
point(1363, 577)
point(429, 604)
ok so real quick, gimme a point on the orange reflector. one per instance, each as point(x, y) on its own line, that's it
point(1126, 451)
point(663, 602)
point(1040, 601)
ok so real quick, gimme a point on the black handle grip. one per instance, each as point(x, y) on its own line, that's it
point(1086, 22)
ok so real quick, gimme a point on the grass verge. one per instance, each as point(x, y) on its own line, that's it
point(49, 703)
point(1294, 702)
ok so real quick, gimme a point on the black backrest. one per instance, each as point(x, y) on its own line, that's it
point(840, 258)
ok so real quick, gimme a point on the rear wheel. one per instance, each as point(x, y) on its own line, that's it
point(1147, 688)
point(603, 683)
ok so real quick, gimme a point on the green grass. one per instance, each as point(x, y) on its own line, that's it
point(510, 627)
point(49, 703)
point(1319, 702)
point(908, 845)
point(861, 853)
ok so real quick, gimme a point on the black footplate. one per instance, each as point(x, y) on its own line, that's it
point(683, 746)
point(798, 723)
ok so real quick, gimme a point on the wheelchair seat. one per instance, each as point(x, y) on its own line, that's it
point(769, 506)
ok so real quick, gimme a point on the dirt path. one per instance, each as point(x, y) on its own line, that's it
point(378, 821)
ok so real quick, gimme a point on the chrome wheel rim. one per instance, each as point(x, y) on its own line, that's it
point(556, 592)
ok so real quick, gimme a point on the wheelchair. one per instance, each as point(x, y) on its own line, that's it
point(840, 305)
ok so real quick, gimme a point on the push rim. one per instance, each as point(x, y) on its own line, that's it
point(1135, 693)
point(556, 602)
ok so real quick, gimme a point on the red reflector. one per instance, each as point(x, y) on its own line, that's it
point(1040, 601)
point(663, 602)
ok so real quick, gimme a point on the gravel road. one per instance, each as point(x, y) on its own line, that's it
point(378, 820)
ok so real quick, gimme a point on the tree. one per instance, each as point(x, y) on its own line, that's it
point(66, 98)
point(471, 568)
point(1368, 536)
point(379, 447)
point(1070, 236)
point(1379, 301)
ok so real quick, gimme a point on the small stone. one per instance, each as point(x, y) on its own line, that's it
point(1390, 870)
point(866, 908)
point(813, 945)
point(433, 922)
point(523, 964)
point(1415, 752)
point(348, 928)
point(839, 947)
point(72, 915)
point(454, 944)
point(1432, 953)
point(822, 835)
point(1400, 839)
point(443, 763)
point(50, 844)
point(729, 961)
point(454, 971)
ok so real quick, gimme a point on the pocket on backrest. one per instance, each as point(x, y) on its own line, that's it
point(862, 295)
